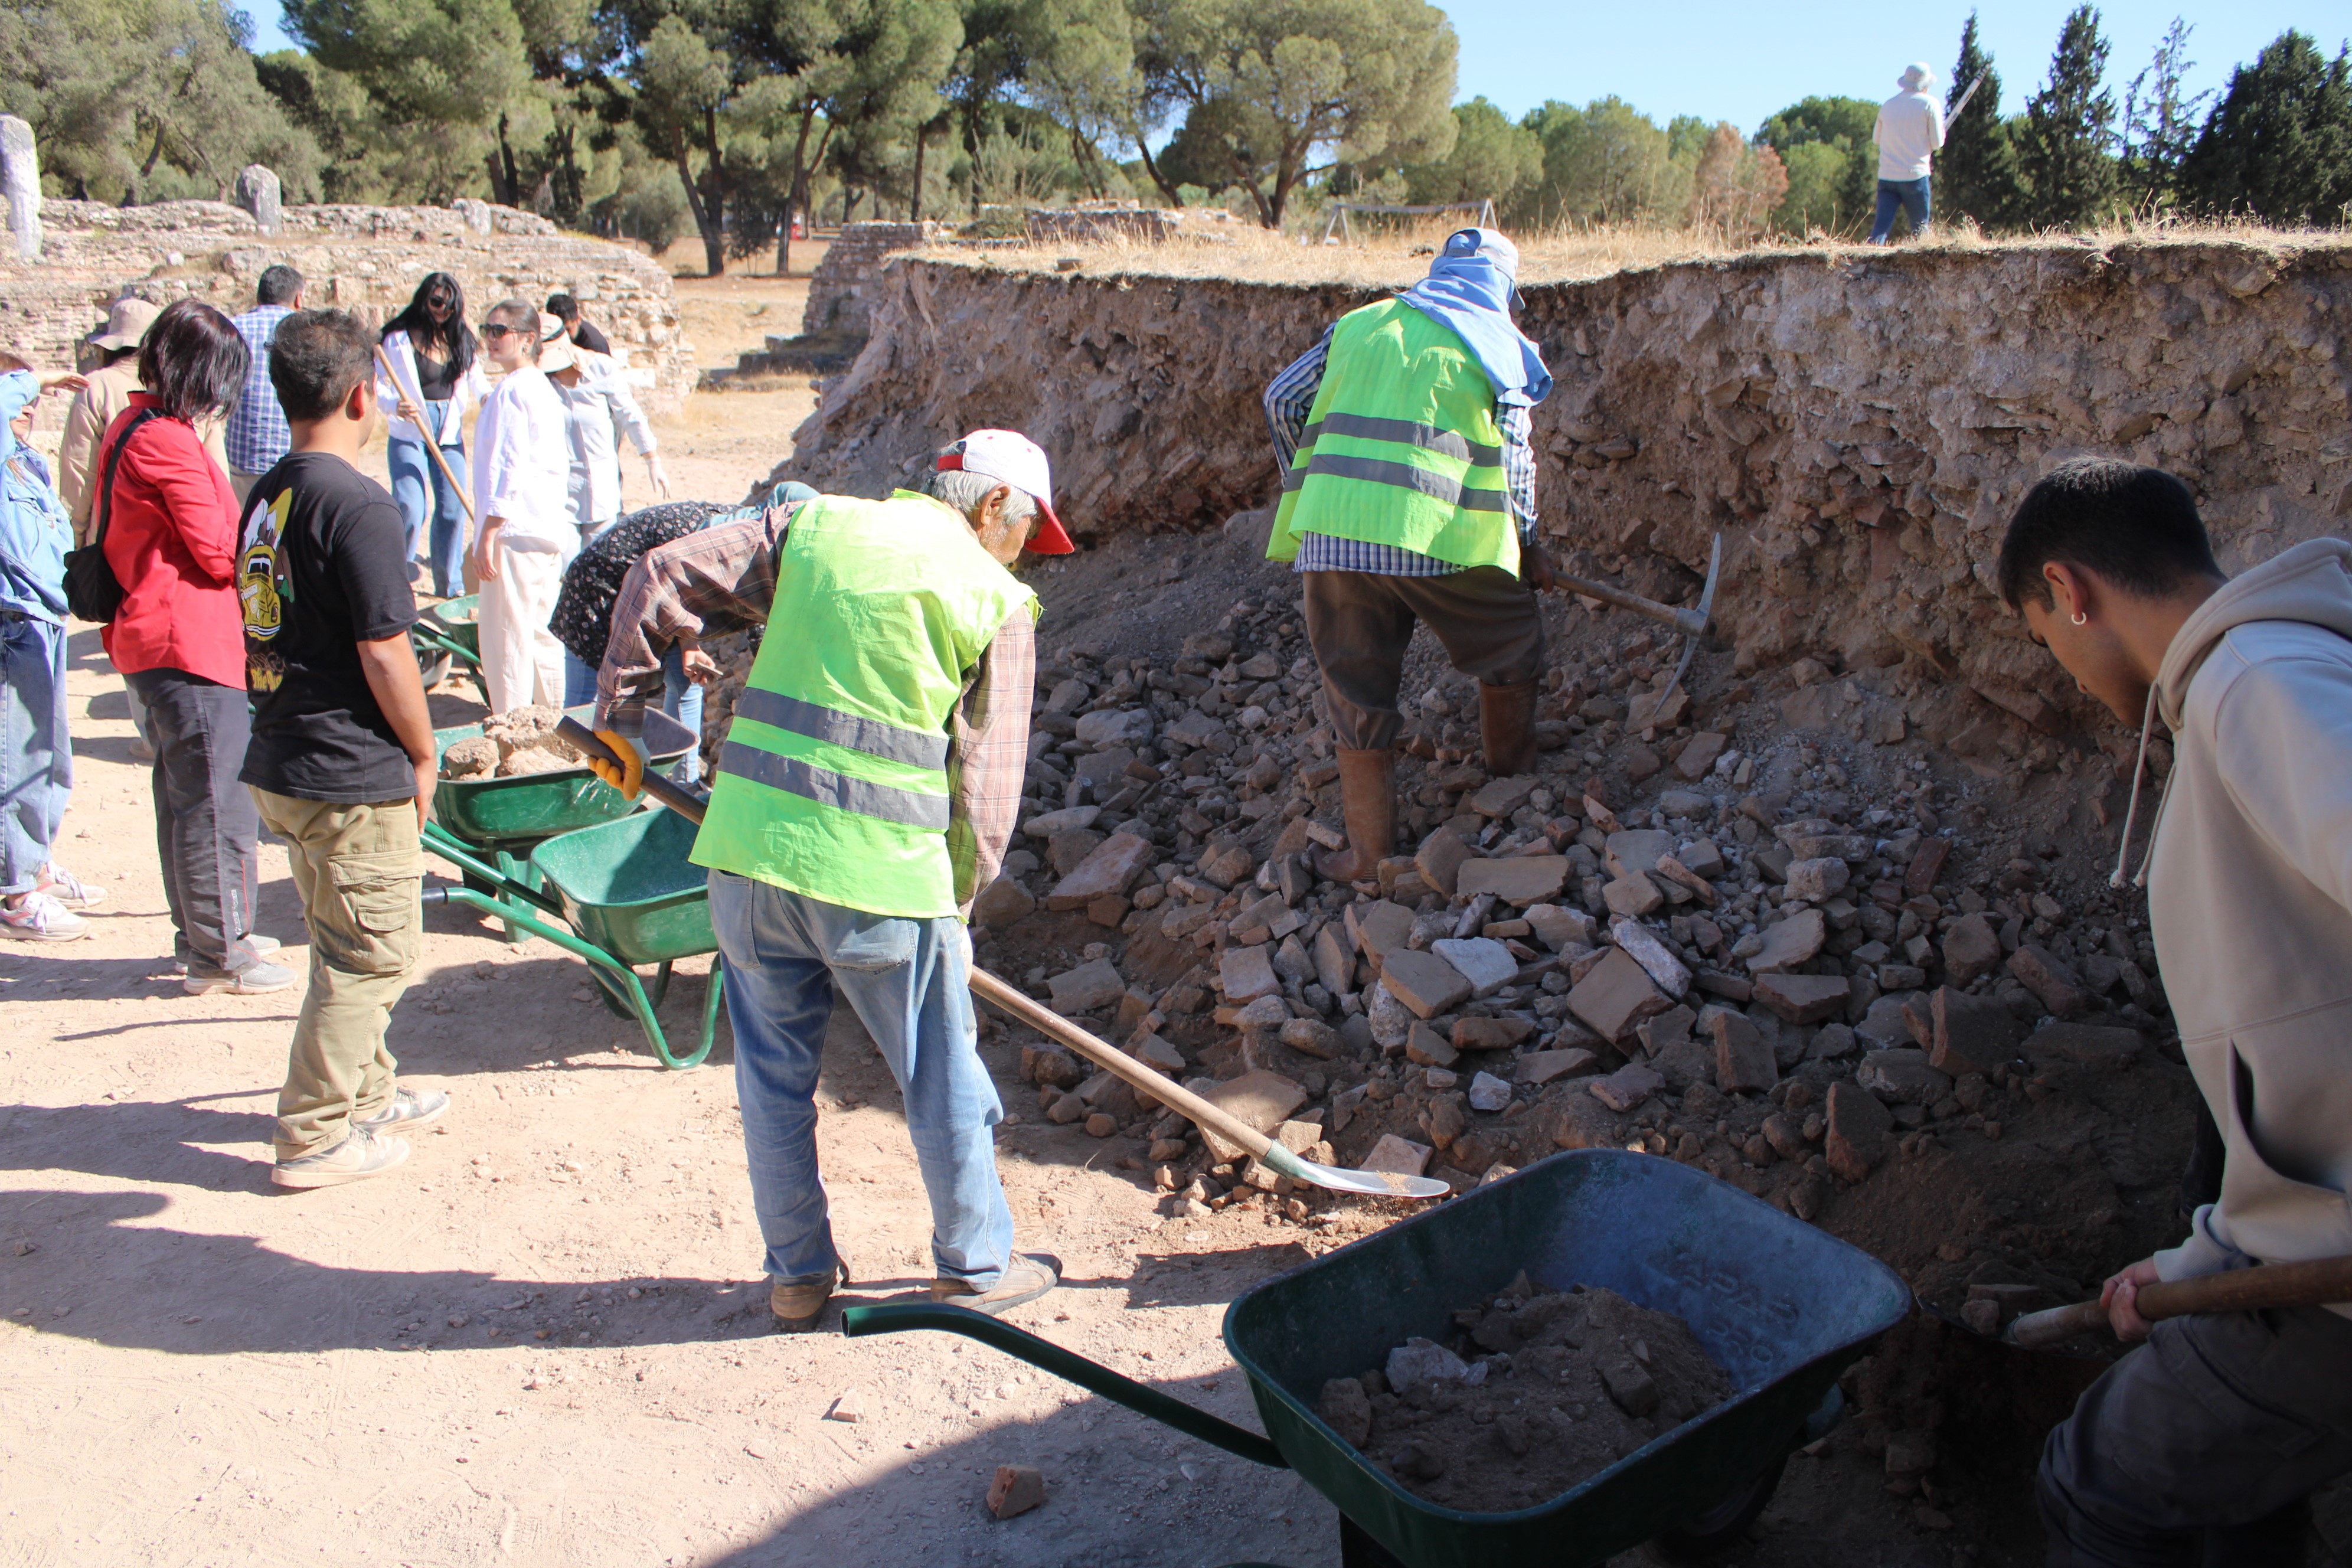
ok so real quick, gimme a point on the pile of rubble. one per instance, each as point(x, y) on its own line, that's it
point(1690, 932)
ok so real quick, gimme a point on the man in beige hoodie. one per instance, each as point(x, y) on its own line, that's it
point(2204, 1446)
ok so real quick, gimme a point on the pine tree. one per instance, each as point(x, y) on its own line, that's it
point(2279, 144)
point(1976, 174)
point(2069, 127)
point(2160, 122)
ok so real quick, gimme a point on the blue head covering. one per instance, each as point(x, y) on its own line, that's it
point(1470, 288)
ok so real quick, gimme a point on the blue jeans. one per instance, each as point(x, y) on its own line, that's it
point(1911, 197)
point(425, 496)
point(36, 752)
point(787, 955)
point(681, 700)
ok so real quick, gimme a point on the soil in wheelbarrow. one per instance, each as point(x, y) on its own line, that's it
point(1541, 1389)
point(523, 741)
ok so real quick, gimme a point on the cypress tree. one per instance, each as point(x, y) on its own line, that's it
point(2063, 150)
point(1976, 174)
point(2279, 144)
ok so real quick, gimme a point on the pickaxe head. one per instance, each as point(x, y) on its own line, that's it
point(1693, 623)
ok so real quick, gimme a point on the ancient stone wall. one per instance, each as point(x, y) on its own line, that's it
point(367, 259)
point(1856, 427)
point(842, 289)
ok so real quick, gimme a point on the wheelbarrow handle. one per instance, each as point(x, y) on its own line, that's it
point(1068, 1365)
point(683, 801)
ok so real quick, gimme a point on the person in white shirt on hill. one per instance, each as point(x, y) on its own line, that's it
point(1910, 129)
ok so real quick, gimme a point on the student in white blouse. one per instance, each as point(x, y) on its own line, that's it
point(436, 373)
point(522, 473)
point(599, 408)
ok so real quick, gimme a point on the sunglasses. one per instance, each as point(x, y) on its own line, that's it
point(494, 330)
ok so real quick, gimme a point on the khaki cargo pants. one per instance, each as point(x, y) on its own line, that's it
point(359, 870)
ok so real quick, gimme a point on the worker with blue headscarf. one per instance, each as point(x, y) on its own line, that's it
point(1408, 494)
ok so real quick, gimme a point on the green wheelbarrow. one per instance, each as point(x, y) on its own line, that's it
point(621, 895)
point(447, 634)
point(498, 821)
point(1782, 1307)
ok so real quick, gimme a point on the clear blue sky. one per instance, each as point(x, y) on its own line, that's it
point(1741, 62)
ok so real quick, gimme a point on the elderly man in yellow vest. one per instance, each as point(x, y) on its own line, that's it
point(1408, 494)
point(867, 789)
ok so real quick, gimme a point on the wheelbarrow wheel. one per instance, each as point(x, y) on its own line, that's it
point(432, 668)
point(1706, 1536)
point(609, 992)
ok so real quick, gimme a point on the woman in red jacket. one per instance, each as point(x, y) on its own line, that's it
point(171, 532)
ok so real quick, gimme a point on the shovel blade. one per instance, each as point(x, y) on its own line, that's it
point(1372, 1183)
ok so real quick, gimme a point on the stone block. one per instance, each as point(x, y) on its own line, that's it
point(1500, 798)
point(1396, 1156)
point(1803, 998)
point(1115, 727)
point(1970, 1034)
point(1903, 1077)
point(1016, 1489)
point(1001, 903)
point(1971, 948)
point(1628, 1087)
point(1227, 863)
point(1490, 1034)
point(1425, 1046)
point(1794, 940)
point(1543, 1066)
point(1489, 1093)
point(1111, 868)
point(1856, 1136)
point(1886, 1027)
point(1696, 758)
point(1261, 1100)
point(1484, 962)
point(1246, 974)
point(1635, 852)
point(1559, 928)
point(1335, 966)
point(2050, 978)
point(1376, 926)
point(1157, 1053)
point(1067, 850)
point(1514, 878)
point(1817, 881)
point(1743, 1063)
point(1616, 995)
point(1633, 897)
point(1085, 988)
point(1312, 1037)
point(258, 191)
point(1440, 859)
point(1664, 966)
point(1423, 982)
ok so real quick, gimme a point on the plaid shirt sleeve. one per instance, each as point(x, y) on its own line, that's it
point(990, 736)
point(710, 583)
point(1290, 397)
point(1519, 468)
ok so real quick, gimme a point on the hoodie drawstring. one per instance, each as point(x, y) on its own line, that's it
point(2131, 814)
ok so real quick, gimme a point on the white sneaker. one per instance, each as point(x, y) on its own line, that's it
point(69, 890)
point(252, 980)
point(38, 917)
point(360, 1155)
point(252, 943)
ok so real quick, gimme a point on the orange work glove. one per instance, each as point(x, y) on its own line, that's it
point(629, 776)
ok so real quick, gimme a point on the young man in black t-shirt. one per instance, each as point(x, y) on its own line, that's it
point(342, 762)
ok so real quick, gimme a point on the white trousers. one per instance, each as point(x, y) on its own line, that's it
point(521, 661)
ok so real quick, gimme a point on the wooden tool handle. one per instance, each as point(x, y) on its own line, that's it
point(1224, 1123)
point(989, 988)
point(432, 444)
point(2320, 1283)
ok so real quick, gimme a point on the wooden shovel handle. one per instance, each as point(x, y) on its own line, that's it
point(2320, 1283)
point(434, 444)
point(1225, 1125)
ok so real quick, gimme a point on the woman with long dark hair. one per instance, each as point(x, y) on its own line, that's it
point(168, 521)
point(435, 372)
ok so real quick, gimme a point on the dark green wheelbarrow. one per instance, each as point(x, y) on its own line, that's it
point(498, 822)
point(1783, 1308)
point(447, 634)
point(621, 895)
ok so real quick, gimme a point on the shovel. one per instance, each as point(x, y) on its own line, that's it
point(2321, 1282)
point(990, 989)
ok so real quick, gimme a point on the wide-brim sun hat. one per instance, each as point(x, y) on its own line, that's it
point(126, 324)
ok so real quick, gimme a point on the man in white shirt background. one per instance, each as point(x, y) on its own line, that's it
point(522, 473)
point(1910, 129)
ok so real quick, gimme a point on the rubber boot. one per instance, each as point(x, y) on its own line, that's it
point(1506, 724)
point(1368, 799)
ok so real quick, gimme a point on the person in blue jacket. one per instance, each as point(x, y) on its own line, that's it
point(38, 896)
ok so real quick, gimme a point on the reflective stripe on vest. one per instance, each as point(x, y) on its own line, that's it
point(1402, 447)
point(834, 778)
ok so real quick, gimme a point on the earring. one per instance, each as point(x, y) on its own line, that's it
point(2081, 619)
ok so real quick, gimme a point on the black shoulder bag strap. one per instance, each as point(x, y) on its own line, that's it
point(92, 591)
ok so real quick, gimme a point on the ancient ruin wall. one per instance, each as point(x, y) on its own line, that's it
point(366, 260)
point(1857, 428)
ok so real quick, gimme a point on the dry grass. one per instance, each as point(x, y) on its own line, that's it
point(1400, 257)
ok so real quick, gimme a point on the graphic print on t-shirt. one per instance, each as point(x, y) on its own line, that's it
point(262, 594)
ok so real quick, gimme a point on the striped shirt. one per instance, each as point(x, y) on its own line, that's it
point(1290, 398)
point(722, 579)
point(258, 434)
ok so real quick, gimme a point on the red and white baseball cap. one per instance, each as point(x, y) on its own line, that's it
point(1009, 456)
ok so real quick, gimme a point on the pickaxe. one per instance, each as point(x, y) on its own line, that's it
point(1692, 622)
